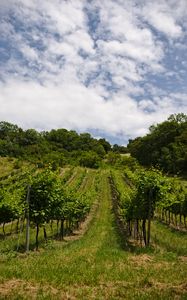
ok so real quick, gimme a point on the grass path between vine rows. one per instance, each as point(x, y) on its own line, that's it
point(96, 266)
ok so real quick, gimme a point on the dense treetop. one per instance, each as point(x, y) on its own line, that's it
point(58, 145)
point(165, 145)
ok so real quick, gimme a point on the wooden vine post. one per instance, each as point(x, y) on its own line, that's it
point(149, 216)
point(28, 219)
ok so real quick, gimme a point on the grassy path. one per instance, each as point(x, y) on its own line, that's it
point(95, 267)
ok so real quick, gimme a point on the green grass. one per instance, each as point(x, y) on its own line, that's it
point(6, 166)
point(169, 239)
point(97, 266)
point(14, 241)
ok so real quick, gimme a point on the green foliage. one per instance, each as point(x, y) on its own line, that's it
point(106, 145)
point(11, 206)
point(119, 149)
point(165, 145)
point(44, 192)
point(89, 159)
point(113, 158)
point(97, 266)
point(6, 210)
point(58, 146)
point(149, 186)
point(52, 197)
point(141, 193)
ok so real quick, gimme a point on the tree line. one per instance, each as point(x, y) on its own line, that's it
point(165, 146)
point(57, 146)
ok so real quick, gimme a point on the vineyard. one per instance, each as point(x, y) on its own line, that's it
point(55, 202)
point(142, 195)
point(133, 246)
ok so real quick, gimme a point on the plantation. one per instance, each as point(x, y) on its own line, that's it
point(47, 200)
point(97, 234)
point(140, 194)
point(89, 223)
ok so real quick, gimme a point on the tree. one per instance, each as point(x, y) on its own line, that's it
point(106, 145)
point(165, 145)
point(31, 137)
point(9, 131)
point(89, 159)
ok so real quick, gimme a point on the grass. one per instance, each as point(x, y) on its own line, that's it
point(76, 176)
point(169, 239)
point(97, 266)
point(6, 166)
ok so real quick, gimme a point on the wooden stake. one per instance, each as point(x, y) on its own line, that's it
point(28, 219)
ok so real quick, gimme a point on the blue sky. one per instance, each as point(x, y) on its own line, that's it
point(111, 68)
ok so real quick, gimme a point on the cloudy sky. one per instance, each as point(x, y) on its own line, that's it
point(108, 67)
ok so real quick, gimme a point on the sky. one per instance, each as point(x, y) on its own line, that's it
point(111, 68)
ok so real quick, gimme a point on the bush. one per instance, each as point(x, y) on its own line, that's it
point(89, 159)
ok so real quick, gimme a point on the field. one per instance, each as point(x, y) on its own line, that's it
point(96, 260)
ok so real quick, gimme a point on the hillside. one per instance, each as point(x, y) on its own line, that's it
point(86, 228)
point(97, 262)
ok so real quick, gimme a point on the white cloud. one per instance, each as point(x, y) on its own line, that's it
point(29, 53)
point(75, 106)
point(81, 40)
point(162, 16)
point(134, 51)
point(63, 73)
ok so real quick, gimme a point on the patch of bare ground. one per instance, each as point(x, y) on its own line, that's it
point(183, 259)
point(13, 288)
point(113, 289)
point(139, 260)
point(9, 288)
point(176, 290)
point(144, 260)
point(121, 290)
point(104, 290)
point(164, 265)
point(29, 290)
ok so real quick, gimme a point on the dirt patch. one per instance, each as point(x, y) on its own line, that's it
point(163, 265)
point(183, 258)
point(10, 286)
point(121, 290)
point(29, 290)
point(140, 260)
point(11, 289)
point(177, 291)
